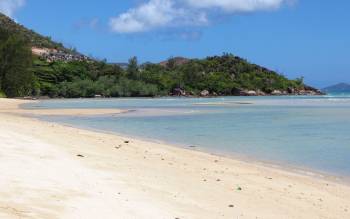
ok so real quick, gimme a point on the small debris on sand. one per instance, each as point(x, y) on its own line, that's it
point(126, 142)
point(231, 206)
point(79, 155)
point(118, 147)
point(239, 188)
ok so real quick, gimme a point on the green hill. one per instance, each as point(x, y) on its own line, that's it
point(33, 38)
point(61, 72)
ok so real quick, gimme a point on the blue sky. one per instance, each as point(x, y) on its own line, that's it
point(309, 38)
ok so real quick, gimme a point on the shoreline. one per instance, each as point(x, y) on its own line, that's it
point(319, 174)
point(231, 155)
point(33, 98)
point(172, 182)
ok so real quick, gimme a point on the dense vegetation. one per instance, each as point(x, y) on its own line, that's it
point(22, 74)
point(219, 75)
point(16, 76)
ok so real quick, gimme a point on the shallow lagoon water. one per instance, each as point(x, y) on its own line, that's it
point(305, 132)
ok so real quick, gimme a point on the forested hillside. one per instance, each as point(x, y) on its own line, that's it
point(32, 38)
point(24, 74)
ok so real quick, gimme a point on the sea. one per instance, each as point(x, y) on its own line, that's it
point(310, 133)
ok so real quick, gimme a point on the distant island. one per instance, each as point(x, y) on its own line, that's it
point(338, 88)
point(34, 65)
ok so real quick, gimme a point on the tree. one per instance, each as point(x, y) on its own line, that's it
point(171, 63)
point(16, 77)
point(133, 71)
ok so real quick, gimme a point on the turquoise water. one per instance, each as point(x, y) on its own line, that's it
point(305, 132)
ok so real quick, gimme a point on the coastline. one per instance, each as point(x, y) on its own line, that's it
point(229, 155)
point(142, 179)
point(299, 169)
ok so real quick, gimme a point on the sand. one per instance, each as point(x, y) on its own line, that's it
point(8, 106)
point(51, 171)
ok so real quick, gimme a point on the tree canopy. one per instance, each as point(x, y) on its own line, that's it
point(16, 76)
point(220, 75)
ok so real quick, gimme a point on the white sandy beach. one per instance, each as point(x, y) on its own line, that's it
point(42, 177)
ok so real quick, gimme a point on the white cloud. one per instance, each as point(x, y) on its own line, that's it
point(174, 13)
point(155, 14)
point(8, 7)
point(237, 5)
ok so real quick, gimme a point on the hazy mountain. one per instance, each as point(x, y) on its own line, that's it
point(341, 87)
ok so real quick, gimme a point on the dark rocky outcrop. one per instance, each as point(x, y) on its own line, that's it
point(178, 92)
point(307, 90)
